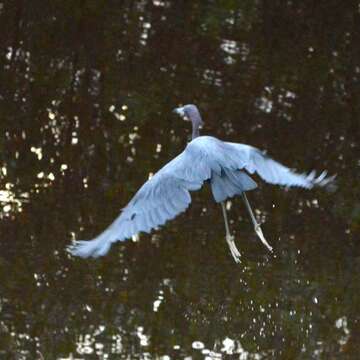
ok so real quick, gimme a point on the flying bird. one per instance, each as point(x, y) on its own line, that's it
point(225, 165)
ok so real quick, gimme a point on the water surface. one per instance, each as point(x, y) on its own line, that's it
point(86, 93)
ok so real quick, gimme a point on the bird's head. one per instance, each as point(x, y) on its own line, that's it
point(191, 113)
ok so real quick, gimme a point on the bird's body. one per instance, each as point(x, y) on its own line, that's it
point(227, 166)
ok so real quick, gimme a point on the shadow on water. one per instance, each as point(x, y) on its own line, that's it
point(86, 94)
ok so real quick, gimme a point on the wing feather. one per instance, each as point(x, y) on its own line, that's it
point(254, 161)
point(160, 199)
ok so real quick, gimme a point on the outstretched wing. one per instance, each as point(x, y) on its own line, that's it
point(253, 160)
point(160, 199)
point(166, 194)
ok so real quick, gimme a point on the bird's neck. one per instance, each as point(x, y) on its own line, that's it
point(195, 131)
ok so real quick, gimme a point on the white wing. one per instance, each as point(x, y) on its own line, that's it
point(253, 160)
point(161, 198)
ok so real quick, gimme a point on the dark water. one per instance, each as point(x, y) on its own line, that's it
point(86, 93)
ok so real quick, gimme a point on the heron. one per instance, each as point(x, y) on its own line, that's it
point(226, 166)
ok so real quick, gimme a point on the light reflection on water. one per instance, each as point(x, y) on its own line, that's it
point(86, 345)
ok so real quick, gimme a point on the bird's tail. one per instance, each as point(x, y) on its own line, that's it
point(230, 183)
point(94, 248)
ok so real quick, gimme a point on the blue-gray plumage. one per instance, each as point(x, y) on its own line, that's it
point(225, 165)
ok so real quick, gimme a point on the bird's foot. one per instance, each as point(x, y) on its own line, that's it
point(233, 249)
point(262, 237)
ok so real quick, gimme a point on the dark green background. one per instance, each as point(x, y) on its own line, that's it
point(280, 75)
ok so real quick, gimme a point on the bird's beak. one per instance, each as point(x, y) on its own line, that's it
point(180, 111)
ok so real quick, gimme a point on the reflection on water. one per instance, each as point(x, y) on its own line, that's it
point(86, 94)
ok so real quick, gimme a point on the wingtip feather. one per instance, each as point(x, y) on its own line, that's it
point(322, 180)
point(92, 248)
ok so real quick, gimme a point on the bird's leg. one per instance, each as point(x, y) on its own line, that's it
point(230, 239)
point(256, 225)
